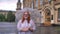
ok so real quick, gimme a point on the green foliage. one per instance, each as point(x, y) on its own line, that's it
point(2, 17)
point(10, 17)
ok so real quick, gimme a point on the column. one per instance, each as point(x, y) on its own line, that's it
point(34, 3)
point(38, 4)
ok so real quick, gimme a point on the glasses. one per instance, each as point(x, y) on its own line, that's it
point(25, 14)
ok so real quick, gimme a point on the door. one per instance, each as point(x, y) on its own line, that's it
point(47, 17)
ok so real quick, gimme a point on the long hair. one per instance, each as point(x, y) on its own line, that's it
point(28, 19)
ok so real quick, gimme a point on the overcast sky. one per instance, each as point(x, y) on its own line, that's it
point(8, 5)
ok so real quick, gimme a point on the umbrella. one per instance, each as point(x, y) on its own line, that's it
point(35, 14)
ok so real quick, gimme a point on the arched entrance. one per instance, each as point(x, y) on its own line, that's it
point(47, 17)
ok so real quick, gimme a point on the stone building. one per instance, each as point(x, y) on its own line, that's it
point(49, 9)
point(50, 12)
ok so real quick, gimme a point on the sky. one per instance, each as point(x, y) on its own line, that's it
point(8, 5)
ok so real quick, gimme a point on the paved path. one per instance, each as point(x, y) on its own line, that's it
point(7, 28)
point(10, 28)
point(45, 30)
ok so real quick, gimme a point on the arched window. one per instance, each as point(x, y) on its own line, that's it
point(48, 12)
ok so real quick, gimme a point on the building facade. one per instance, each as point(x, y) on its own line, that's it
point(49, 9)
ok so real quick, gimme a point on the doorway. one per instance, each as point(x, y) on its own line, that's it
point(47, 17)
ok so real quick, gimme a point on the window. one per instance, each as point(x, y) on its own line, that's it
point(32, 5)
point(48, 12)
point(41, 2)
point(59, 14)
point(51, 17)
point(36, 3)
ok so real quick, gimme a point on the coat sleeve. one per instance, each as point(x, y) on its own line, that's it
point(19, 25)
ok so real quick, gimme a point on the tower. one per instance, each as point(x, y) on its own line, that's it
point(18, 5)
point(27, 3)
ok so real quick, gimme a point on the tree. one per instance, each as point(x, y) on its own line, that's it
point(2, 17)
point(10, 16)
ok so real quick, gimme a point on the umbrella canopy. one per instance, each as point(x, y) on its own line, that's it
point(34, 13)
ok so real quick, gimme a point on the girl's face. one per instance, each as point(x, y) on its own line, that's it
point(25, 15)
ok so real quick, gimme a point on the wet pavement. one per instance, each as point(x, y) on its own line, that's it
point(10, 28)
point(7, 28)
point(45, 30)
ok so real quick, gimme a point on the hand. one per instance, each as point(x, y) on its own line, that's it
point(25, 29)
point(31, 29)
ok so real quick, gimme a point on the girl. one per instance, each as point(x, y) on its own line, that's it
point(26, 25)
